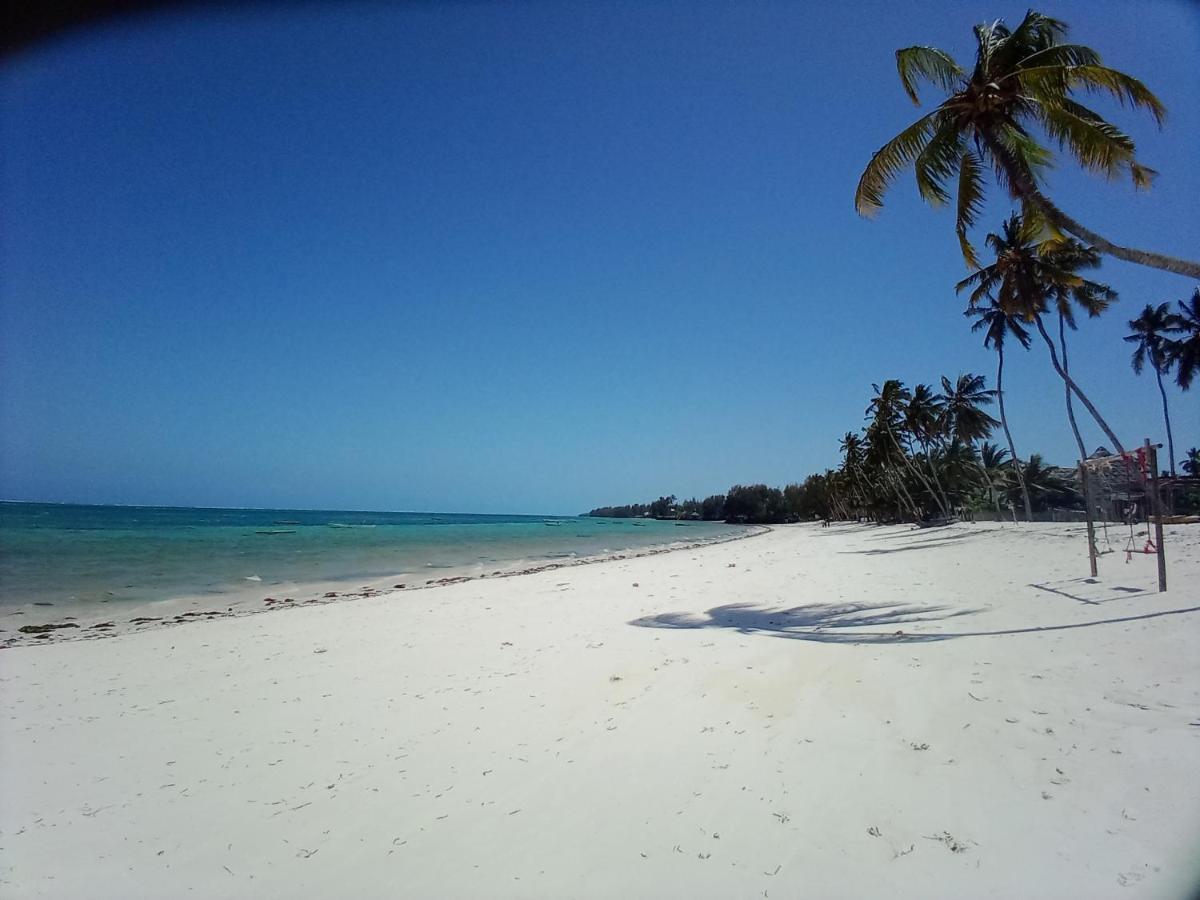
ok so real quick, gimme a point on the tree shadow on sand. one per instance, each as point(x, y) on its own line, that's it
point(813, 622)
point(826, 622)
point(932, 543)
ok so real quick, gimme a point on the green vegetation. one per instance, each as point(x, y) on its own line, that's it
point(921, 453)
point(1191, 463)
point(1184, 352)
point(1034, 275)
point(924, 453)
point(1022, 85)
point(1148, 334)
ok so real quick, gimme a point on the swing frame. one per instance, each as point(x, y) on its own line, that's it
point(1146, 460)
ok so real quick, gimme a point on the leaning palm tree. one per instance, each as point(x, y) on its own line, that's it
point(880, 455)
point(886, 414)
point(1022, 82)
point(1149, 339)
point(1032, 276)
point(854, 452)
point(997, 324)
point(1184, 352)
point(923, 418)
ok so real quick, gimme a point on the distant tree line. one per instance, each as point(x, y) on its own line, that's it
point(742, 503)
point(922, 454)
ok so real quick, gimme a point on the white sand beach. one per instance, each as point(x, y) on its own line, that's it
point(844, 712)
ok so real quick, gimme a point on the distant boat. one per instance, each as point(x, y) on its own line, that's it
point(553, 524)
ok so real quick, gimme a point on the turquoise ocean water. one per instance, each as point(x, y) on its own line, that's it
point(51, 553)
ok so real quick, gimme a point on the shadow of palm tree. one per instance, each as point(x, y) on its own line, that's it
point(914, 534)
point(817, 621)
point(923, 545)
point(824, 622)
point(921, 540)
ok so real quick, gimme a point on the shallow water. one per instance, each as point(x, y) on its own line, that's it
point(52, 553)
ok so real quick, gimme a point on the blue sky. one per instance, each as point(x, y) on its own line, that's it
point(513, 257)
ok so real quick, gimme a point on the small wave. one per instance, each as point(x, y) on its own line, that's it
point(252, 578)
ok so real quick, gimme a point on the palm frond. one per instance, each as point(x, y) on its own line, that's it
point(887, 162)
point(938, 161)
point(1055, 55)
point(1098, 145)
point(1017, 330)
point(1038, 30)
point(1127, 90)
point(928, 63)
point(970, 202)
point(1093, 298)
point(1017, 156)
point(1139, 353)
point(989, 39)
point(1142, 175)
point(1034, 218)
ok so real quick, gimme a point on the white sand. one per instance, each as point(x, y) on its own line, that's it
point(519, 737)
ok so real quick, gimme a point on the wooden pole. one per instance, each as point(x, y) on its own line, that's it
point(1087, 506)
point(1156, 508)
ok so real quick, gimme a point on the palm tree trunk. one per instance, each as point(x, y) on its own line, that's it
point(1062, 341)
point(902, 492)
point(867, 490)
point(933, 472)
point(1024, 188)
point(991, 488)
point(1008, 434)
point(920, 477)
point(1141, 257)
point(1167, 417)
point(987, 481)
point(1080, 394)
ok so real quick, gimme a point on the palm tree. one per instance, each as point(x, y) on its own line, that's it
point(923, 417)
point(967, 421)
point(852, 464)
point(964, 401)
point(1046, 487)
point(1191, 464)
point(886, 411)
point(1028, 277)
point(1148, 337)
point(998, 472)
point(1022, 81)
point(880, 455)
point(1185, 352)
point(961, 470)
point(996, 324)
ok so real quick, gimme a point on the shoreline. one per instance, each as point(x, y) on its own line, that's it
point(84, 621)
